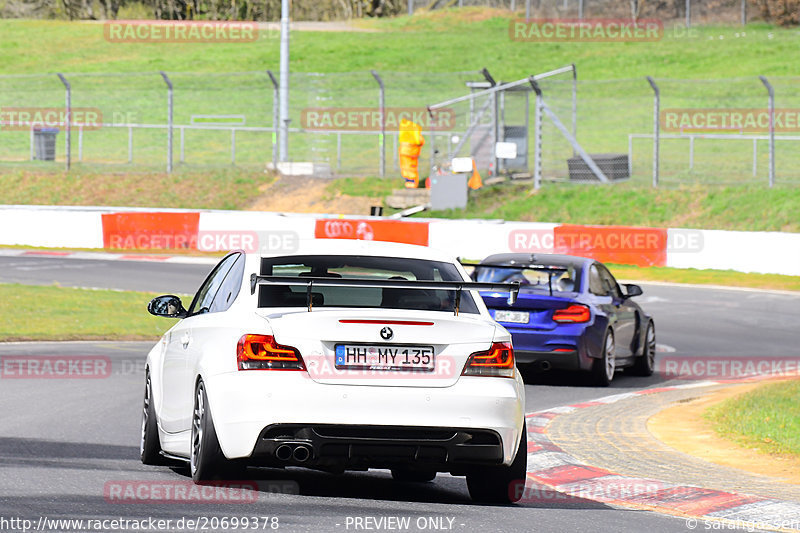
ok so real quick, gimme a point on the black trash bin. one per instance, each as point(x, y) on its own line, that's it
point(44, 141)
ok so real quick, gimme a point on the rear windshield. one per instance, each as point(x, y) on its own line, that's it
point(362, 267)
point(531, 279)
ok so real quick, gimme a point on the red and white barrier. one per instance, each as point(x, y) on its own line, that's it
point(148, 229)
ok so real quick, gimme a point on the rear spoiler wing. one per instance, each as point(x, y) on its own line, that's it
point(457, 286)
point(550, 269)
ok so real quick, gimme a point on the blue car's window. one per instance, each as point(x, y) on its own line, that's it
point(531, 279)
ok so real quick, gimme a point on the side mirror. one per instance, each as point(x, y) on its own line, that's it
point(632, 290)
point(167, 306)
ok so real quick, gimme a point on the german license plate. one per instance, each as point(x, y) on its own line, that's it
point(384, 357)
point(516, 317)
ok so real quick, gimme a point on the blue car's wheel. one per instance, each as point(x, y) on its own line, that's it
point(646, 363)
point(603, 367)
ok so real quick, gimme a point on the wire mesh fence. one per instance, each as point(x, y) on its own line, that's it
point(708, 131)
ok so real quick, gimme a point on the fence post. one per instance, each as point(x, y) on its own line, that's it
point(537, 138)
point(688, 13)
point(527, 9)
point(68, 117)
point(656, 127)
point(574, 104)
point(410, 7)
point(275, 119)
point(744, 12)
point(580, 9)
point(382, 104)
point(771, 92)
point(170, 110)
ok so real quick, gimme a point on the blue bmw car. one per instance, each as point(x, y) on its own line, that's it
point(570, 314)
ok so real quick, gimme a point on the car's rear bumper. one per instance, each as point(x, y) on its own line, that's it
point(558, 360)
point(564, 348)
point(358, 447)
point(245, 404)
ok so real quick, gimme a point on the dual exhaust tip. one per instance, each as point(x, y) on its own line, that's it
point(298, 452)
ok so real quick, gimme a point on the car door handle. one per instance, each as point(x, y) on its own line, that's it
point(186, 339)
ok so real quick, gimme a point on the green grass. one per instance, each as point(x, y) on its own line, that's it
point(694, 276)
point(57, 313)
point(407, 51)
point(216, 189)
point(709, 207)
point(767, 418)
point(441, 41)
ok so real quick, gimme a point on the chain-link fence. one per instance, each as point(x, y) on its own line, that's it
point(687, 12)
point(710, 131)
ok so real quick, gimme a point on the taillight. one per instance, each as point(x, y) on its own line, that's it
point(496, 361)
point(575, 313)
point(261, 352)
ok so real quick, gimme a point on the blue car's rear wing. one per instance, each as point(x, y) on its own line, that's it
point(549, 269)
point(457, 286)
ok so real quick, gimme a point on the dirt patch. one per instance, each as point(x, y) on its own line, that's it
point(683, 427)
point(296, 194)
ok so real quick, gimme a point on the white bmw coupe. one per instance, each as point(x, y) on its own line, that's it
point(349, 356)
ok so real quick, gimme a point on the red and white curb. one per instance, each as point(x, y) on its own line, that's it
point(555, 476)
point(103, 256)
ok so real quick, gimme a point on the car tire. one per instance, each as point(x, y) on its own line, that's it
point(646, 363)
point(408, 475)
point(603, 367)
point(149, 444)
point(206, 461)
point(501, 484)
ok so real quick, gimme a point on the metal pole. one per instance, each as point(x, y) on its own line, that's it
point(580, 9)
point(275, 119)
point(771, 92)
point(537, 150)
point(284, 82)
point(574, 103)
point(744, 12)
point(410, 7)
point(513, 5)
point(527, 9)
point(630, 155)
point(495, 132)
point(382, 138)
point(170, 122)
point(656, 127)
point(688, 13)
point(68, 118)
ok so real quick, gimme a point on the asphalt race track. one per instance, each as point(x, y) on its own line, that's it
point(64, 442)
